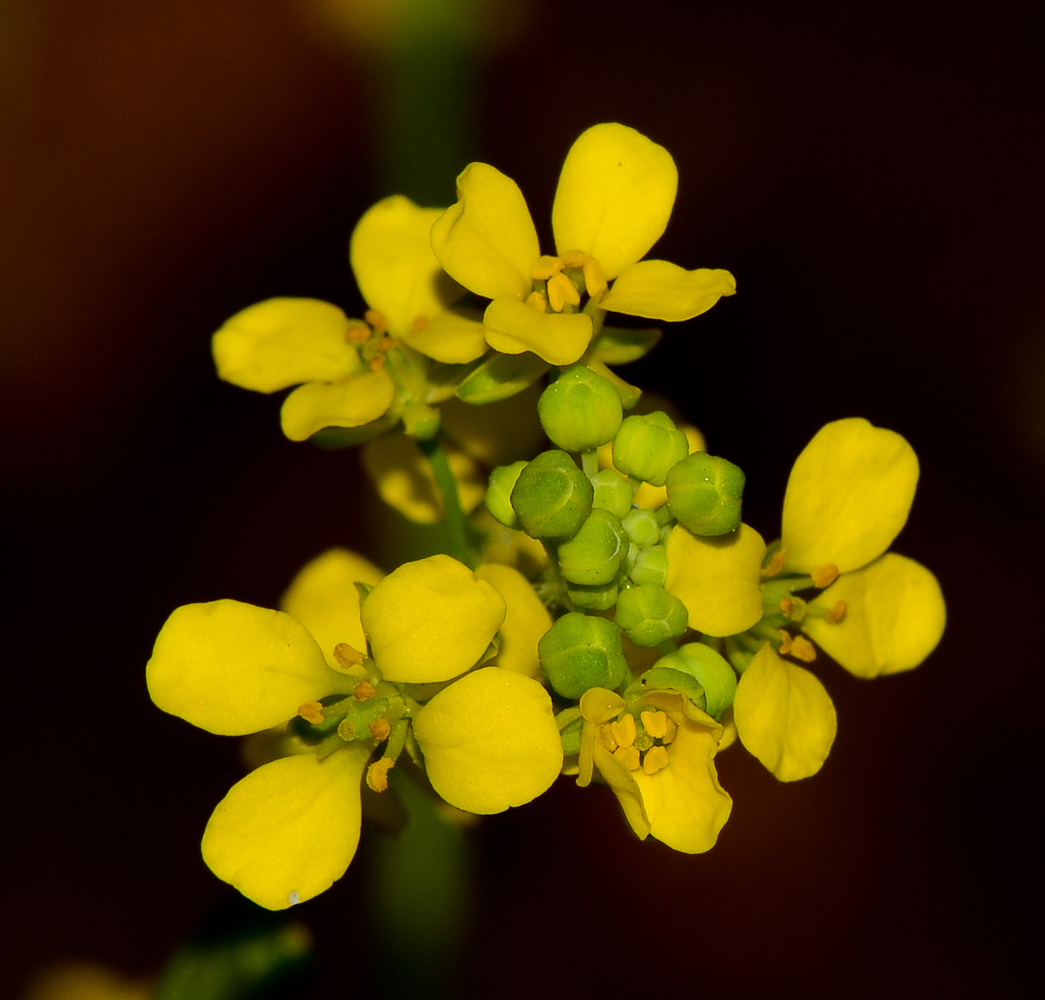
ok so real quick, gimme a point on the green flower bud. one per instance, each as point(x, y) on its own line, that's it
point(648, 614)
point(642, 527)
point(580, 652)
point(715, 675)
point(704, 494)
point(499, 493)
point(647, 446)
point(649, 566)
point(594, 598)
point(552, 497)
point(580, 410)
point(593, 555)
point(421, 421)
point(612, 492)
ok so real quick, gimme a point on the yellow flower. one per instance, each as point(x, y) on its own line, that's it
point(658, 756)
point(847, 498)
point(289, 829)
point(338, 364)
point(613, 201)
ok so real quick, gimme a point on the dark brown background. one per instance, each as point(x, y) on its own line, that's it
point(873, 180)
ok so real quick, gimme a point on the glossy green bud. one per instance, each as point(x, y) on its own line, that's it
point(647, 446)
point(642, 527)
point(499, 493)
point(714, 673)
point(704, 493)
point(580, 652)
point(592, 598)
point(648, 565)
point(552, 497)
point(649, 615)
point(580, 410)
point(612, 492)
point(593, 556)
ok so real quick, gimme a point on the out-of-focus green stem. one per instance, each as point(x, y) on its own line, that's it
point(445, 479)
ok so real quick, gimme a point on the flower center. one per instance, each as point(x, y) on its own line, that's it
point(561, 288)
point(640, 744)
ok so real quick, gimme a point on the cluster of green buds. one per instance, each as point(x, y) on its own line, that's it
point(606, 553)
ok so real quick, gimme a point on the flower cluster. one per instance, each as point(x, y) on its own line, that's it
point(605, 612)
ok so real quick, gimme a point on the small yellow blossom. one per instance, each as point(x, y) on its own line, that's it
point(613, 201)
point(663, 774)
point(338, 363)
point(289, 829)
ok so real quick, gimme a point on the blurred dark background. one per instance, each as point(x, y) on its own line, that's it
point(872, 176)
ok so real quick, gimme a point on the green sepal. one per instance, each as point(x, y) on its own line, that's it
point(571, 735)
point(709, 669)
point(499, 376)
point(333, 438)
point(617, 346)
point(667, 679)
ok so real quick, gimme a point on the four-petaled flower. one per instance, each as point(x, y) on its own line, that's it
point(289, 829)
point(613, 201)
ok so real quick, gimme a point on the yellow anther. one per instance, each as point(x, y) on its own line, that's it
point(348, 658)
point(358, 334)
point(786, 604)
point(785, 642)
point(377, 774)
point(536, 300)
point(420, 323)
point(824, 576)
point(837, 613)
point(656, 723)
point(575, 258)
point(385, 342)
point(311, 711)
point(624, 730)
point(607, 739)
point(377, 362)
point(671, 733)
point(377, 321)
point(594, 278)
point(655, 760)
point(776, 564)
point(380, 729)
point(545, 267)
point(560, 291)
point(629, 757)
point(364, 691)
point(802, 649)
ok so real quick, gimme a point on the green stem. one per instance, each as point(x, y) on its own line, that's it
point(453, 513)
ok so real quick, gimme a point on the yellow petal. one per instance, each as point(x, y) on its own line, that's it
point(525, 623)
point(283, 342)
point(784, 716)
point(894, 617)
point(717, 578)
point(624, 785)
point(323, 597)
point(615, 196)
point(431, 620)
point(288, 830)
point(655, 289)
point(234, 668)
point(686, 805)
point(404, 479)
point(847, 497)
point(487, 241)
point(452, 339)
point(513, 327)
point(352, 403)
point(490, 741)
point(397, 273)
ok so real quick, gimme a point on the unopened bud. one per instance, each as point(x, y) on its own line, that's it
point(582, 651)
point(647, 446)
point(704, 493)
point(593, 555)
point(552, 497)
point(580, 410)
point(649, 615)
point(612, 492)
point(715, 675)
point(499, 493)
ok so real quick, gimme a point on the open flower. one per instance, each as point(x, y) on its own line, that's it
point(339, 364)
point(613, 201)
point(658, 755)
point(289, 829)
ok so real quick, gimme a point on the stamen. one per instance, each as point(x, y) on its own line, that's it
point(607, 739)
point(624, 730)
point(364, 691)
point(824, 576)
point(311, 711)
point(656, 723)
point(536, 300)
point(575, 258)
point(629, 757)
point(655, 760)
point(419, 324)
point(776, 564)
point(837, 613)
point(358, 334)
point(785, 642)
point(786, 604)
point(348, 657)
point(380, 729)
point(672, 732)
point(377, 774)
point(377, 362)
point(560, 291)
point(802, 649)
point(594, 278)
point(546, 267)
point(377, 321)
point(385, 342)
